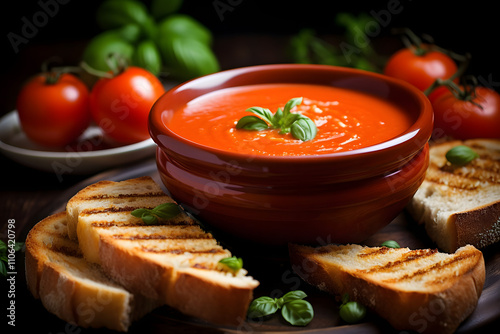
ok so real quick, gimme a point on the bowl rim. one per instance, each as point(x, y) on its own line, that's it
point(412, 136)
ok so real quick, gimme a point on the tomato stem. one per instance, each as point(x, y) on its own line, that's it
point(411, 41)
point(468, 83)
point(115, 62)
point(101, 74)
point(452, 86)
point(53, 75)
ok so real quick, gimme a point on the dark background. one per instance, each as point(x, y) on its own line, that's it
point(252, 32)
point(466, 26)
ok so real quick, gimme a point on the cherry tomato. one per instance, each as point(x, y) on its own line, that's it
point(419, 66)
point(53, 110)
point(462, 119)
point(120, 105)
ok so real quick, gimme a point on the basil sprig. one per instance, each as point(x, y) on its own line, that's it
point(461, 155)
point(301, 127)
point(390, 244)
point(153, 216)
point(233, 263)
point(294, 309)
point(351, 311)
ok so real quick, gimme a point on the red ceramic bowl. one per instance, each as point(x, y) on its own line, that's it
point(341, 197)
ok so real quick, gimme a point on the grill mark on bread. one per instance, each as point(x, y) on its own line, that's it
point(374, 252)
point(138, 223)
point(199, 236)
point(415, 255)
point(434, 267)
point(469, 177)
point(121, 196)
point(180, 251)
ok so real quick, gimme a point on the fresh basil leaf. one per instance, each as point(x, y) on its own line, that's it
point(461, 155)
point(390, 244)
point(352, 312)
point(304, 129)
point(290, 104)
point(278, 116)
point(262, 306)
point(287, 122)
point(149, 219)
point(3, 269)
point(18, 246)
point(234, 263)
point(293, 295)
point(166, 210)
point(162, 211)
point(251, 123)
point(298, 312)
point(264, 113)
point(301, 127)
point(139, 212)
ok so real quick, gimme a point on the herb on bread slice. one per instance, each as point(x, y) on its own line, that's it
point(174, 261)
point(398, 283)
point(72, 288)
point(460, 205)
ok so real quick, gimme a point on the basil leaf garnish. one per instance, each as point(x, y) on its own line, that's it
point(304, 129)
point(298, 312)
point(294, 308)
point(265, 114)
point(262, 306)
point(351, 311)
point(153, 216)
point(293, 295)
point(301, 127)
point(390, 244)
point(461, 155)
point(233, 263)
point(251, 123)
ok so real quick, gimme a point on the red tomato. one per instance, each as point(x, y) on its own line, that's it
point(53, 114)
point(420, 70)
point(121, 105)
point(461, 119)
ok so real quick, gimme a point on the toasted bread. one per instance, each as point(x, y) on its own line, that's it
point(175, 262)
point(461, 205)
point(421, 290)
point(72, 288)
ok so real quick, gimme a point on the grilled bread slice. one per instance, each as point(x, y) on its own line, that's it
point(421, 290)
point(72, 288)
point(175, 262)
point(461, 205)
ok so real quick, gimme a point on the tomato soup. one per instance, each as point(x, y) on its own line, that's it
point(346, 119)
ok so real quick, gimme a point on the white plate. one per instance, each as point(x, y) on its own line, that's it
point(78, 159)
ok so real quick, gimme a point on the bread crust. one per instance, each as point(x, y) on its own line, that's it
point(439, 311)
point(442, 203)
point(479, 227)
point(188, 290)
point(71, 288)
point(84, 305)
point(174, 262)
